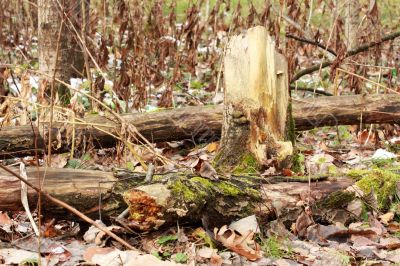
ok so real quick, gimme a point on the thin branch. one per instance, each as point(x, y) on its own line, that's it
point(292, 87)
point(69, 208)
point(53, 87)
point(316, 43)
point(355, 51)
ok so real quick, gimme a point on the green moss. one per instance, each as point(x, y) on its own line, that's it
point(158, 178)
point(254, 193)
point(357, 174)
point(332, 170)
point(383, 162)
point(206, 183)
point(336, 200)
point(383, 182)
point(248, 165)
point(298, 162)
point(291, 126)
point(179, 188)
point(228, 189)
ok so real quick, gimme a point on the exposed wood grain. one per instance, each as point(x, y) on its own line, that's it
point(204, 122)
point(81, 188)
point(184, 197)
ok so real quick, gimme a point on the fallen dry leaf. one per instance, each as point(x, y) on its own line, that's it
point(91, 251)
point(303, 222)
point(213, 146)
point(287, 172)
point(243, 245)
point(216, 260)
point(386, 218)
point(4, 219)
point(207, 171)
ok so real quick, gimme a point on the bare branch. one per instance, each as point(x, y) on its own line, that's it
point(316, 43)
point(355, 51)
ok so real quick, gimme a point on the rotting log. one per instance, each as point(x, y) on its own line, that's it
point(171, 197)
point(203, 123)
point(255, 117)
point(80, 187)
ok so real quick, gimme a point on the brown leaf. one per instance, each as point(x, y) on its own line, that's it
point(287, 172)
point(386, 218)
point(303, 222)
point(213, 146)
point(5, 219)
point(216, 260)
point(91, 251)
point(207, 171)
point(243, 245)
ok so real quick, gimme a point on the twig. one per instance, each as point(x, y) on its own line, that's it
point(52, 92)
point(305, 40)
point(292, 87)
point(24, 198)
point(150, 173)
point(355, 51)
point(69, 208)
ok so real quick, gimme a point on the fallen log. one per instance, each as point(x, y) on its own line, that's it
point(171, 197)
point(80, 187)
point(203, 123)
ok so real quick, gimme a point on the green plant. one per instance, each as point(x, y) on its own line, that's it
point(165, 239)
point(79, 163)
point(273, 248)
point(344, 259)
point(383, 182)
point(181, 257)
point(298, 162)
point(29, 262)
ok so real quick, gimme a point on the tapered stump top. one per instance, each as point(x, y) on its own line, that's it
point(256, 105)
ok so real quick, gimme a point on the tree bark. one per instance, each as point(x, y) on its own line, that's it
point(59, 52)
point(256, 103)
point(172, 197)
point(352, 23)
point(204, 123)
point(82, 188)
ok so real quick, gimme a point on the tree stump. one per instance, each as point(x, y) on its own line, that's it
point(255, 105)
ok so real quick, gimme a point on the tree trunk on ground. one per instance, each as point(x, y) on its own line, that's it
point(60, 53)
point(256, 103)
point(172, 197)
point(204, 123)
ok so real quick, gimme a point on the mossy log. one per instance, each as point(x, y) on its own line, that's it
point(256, 103)
point(169, 198)
point(203, 123)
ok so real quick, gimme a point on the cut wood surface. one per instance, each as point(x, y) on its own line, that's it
point(204, 122)
point(255, 117)
point(175, 196)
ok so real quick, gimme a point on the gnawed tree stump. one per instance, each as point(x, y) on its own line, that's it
point(169, 198)
point(256, 103)
point(203, 123)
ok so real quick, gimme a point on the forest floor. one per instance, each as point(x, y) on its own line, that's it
point(362, 231)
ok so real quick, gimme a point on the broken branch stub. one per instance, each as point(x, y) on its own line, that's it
point(256, 104)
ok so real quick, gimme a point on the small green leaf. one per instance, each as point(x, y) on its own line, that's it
point(165, 239)
point(166, 254)
point(156, 254)
point(74, 164)
point(86, 157)
point(181, 257)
